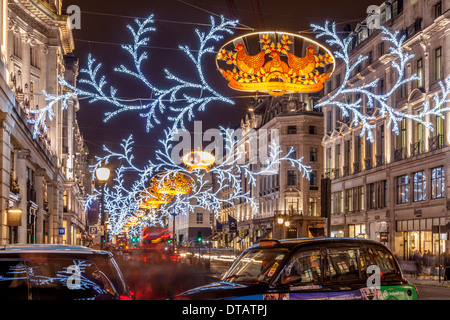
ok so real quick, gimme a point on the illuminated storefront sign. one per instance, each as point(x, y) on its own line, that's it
point(14, 217)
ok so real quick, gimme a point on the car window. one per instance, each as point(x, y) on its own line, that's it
point(13, 280)
point(69, 279)
point(112, 271)
point(342, 264)
point(303, 268)
point(383, 260)
point(257, 265)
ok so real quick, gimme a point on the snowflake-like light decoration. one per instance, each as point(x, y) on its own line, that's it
point(400, 58)
point(178, 99)
point(121, 203)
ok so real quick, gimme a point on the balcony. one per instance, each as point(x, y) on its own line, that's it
point(379, 160)
point(436, 142)
point(368, 163)
point(336, 173)
point(399, 154)
point(417, 148)
point(346, 170)
point(290, 212)
point(356, 167)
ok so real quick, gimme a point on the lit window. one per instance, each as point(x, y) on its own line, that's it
point(437, 183)
point(419, 186)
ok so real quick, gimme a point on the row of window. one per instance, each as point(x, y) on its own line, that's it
point(399, 151)
point(354, 200)
point(200, 219)
point(436, 188)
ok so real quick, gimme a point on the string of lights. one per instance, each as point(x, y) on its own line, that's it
point(356, 109)
point(229, 174)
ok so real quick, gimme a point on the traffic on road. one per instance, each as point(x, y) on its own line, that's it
point(294, 269)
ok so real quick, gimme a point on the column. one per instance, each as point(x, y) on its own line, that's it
point(40, 202)
point(5, 167)
point(55, 208)
point(21, 171)
point(55, 132)
point(26, 62)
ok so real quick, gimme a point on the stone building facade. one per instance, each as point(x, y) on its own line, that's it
point(45, 178)
point(394, 190)
point(286, 196)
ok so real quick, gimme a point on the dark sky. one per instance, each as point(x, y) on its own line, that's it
point(103, 29)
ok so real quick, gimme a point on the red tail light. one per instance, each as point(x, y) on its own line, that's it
point(417, 291)
point(121, 297)
point(175, 257)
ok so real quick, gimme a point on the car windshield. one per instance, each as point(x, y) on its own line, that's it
point(258, 265)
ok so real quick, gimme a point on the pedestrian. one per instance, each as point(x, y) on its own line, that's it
point(446, 259)
point(419, 262)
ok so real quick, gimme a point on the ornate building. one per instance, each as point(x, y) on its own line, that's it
point(44, 179)
point(393, 190)
point(288, 204)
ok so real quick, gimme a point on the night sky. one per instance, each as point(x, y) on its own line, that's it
point(103, 30)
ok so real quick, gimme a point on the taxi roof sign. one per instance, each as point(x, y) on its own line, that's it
point(268, 243)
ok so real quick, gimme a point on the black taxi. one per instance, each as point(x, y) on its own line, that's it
point(311, 269)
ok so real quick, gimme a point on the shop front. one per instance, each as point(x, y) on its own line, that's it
point(337, 227)
point(417, 237)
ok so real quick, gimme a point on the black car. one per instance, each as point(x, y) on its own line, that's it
point(59, 272)
point(311, 268)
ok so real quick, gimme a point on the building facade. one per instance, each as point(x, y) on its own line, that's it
point(393, 190)
point(43, 179)
point(288, 204)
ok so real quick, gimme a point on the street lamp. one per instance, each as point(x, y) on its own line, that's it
point(102, 174)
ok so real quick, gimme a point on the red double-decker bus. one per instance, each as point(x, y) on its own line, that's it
point(154, 244)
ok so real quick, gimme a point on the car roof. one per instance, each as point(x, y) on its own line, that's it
point(48, 248)
point(289, 243)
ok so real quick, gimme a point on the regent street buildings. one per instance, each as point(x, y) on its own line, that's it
point(44, 179)
point(394, 190)
point(288, 205)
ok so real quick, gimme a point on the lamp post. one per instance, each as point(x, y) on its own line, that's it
point(102, 175)
point(280, 221)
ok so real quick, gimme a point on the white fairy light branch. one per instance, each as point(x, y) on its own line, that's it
point(400, 58)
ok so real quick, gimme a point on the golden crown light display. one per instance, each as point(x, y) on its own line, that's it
point(152, 199)
point(173, 183)
point(198, 160)
point(285, 63)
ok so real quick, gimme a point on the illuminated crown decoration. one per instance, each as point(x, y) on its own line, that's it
point(152, 199)
point(173, 183)
point(198, 160)
point(282, 71)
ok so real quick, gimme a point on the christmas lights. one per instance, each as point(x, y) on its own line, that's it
point(377, 101)
point(229, 175)
point(178, 100)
